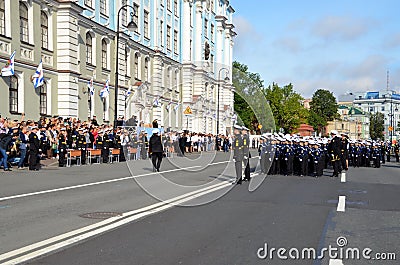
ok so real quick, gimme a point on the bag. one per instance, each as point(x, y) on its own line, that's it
point(54, 146)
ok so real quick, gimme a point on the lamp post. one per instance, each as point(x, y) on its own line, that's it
point(219, 85)
point(131, 27)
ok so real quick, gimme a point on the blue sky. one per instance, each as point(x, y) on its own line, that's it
point(343, 46)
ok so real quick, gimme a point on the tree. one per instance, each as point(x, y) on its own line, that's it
point(376, 126)
point(286, 107)
point(323, 108)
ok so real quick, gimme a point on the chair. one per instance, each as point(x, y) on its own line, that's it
point(74, 154)
point(114, 155)
point(94, 154)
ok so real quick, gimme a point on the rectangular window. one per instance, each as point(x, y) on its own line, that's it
point(104, 54)
point(212, 32)
point(103, 7)
point(175, 42)
point(2, 18)
point(137, 66)
point(168, 37)
point(146, 24)
point(176, 7)
point(136, 17)
point(169, 5)
point(43, 99)
point(124, 15)
point(44, 30)
point(162, 33)
point(13, 96)
point(383, 108)
point(371, 109)
point(23, 20)
point(206, 28)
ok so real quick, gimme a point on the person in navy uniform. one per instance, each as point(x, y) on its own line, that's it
point(238, 153)
point(376, 155)
point(246, 153)
point(345, 152)
point(34, 149)
point(81, 145)
point(263, 154)
point(156, 150)
point(62, 147)
point(334, 149)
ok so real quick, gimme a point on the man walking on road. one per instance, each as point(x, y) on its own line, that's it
point(156, 150)
point(335, 149)
point(238, 153)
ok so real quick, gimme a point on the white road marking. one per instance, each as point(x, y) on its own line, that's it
point(335, 262)
point(342, 204)
point(113, 223)
point(98, 183)
point(343, 177)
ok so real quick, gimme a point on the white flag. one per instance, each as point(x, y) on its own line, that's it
point(8, 70)
point(38, 76)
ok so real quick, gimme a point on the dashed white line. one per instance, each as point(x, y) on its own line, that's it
point(343, 177)
point(342, 204)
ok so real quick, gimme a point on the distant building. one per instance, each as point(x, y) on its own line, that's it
point(306, 103)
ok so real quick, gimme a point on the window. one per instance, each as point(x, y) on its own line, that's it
point(212, 32)
point(168, 37)
point(176, 7)
point(191, 17)
point(136, 17)
point(137, 66)
point(103, 7)
point(13, 96)
point(124, 15)
point(190, 49)
point(23, 22)
point(176, 80)
point(104, 54)
point(127, 62)
point(212, 6)
point(169, 5)
point(146, 69)
point(44, 30)
point(206, 28)
point(212, 62)
point(162, 33)
point(175, 42)
point(43, 99)
point(383, 108)
point(2, 18)
point(371, 109)
point(146, 24)
point(89, 3)
point(89, 48)
point(168, 84)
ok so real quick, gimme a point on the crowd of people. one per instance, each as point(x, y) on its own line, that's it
point(26, 143)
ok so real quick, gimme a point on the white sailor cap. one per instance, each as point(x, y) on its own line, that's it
point(155, 131)
point(237, 127)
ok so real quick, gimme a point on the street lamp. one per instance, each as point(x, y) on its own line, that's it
point(131, 27)
point(219, 85)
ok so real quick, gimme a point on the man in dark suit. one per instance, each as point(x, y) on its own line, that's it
point(34, 149)
point(156, 150)
point(335, 152)
point(237, 146)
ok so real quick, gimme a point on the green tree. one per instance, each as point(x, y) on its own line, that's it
point(323, 108)
point(286, 107)
point(376, 126)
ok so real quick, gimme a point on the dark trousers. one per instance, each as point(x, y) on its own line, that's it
point(246, 169)
point(22, 160)
point(238, 169)
point(33, 160)
point(336, 167)
point(105, 152)
point(156, 159)
point(83, 156)
point(61, 158)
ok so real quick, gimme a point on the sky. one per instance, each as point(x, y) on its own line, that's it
point(340, 45)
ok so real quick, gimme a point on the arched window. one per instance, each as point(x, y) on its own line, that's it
point(43, 99)
point(2, 18)
point(104, 54)
point(146, 69)
point(44, 25)
point(89, 48)
point(13, 96)
point(23, 22)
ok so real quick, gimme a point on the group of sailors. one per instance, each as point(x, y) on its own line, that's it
point(281, 154)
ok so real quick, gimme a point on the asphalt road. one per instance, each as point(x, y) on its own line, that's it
point(228, 226)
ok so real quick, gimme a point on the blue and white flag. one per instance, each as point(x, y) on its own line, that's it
point(156, 102)
point(91, 86)
point(234, 118)
point(8, 70)
point(38, 76)
point(169, 105)
point(105, 91)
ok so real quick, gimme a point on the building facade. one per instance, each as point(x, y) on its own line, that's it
point(174, 59)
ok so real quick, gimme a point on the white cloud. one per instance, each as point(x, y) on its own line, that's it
point(247, 35)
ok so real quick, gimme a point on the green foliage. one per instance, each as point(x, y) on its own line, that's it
point(323, 108)
point(377, 127)
point(286, 107)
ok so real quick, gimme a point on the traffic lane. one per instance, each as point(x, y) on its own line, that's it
point(229, 230)
point(21, 182)
point(32, 219)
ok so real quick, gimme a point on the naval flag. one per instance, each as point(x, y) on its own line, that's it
point(38, 76)
point(8, 70)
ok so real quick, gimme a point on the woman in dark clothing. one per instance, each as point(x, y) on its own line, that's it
point(156, 150)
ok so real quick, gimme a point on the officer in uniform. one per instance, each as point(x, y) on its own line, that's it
point(156, 150)
point(345, 152)
point(238, 153)
point(62, 147)
point(376, 155)
point(246, 153)
point(334, 149)
point(81, 145)
point(263, 153)
point(34, 149)
point(100, 144)
point(396, 152)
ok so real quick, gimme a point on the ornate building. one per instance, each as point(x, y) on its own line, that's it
point(175, 58)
